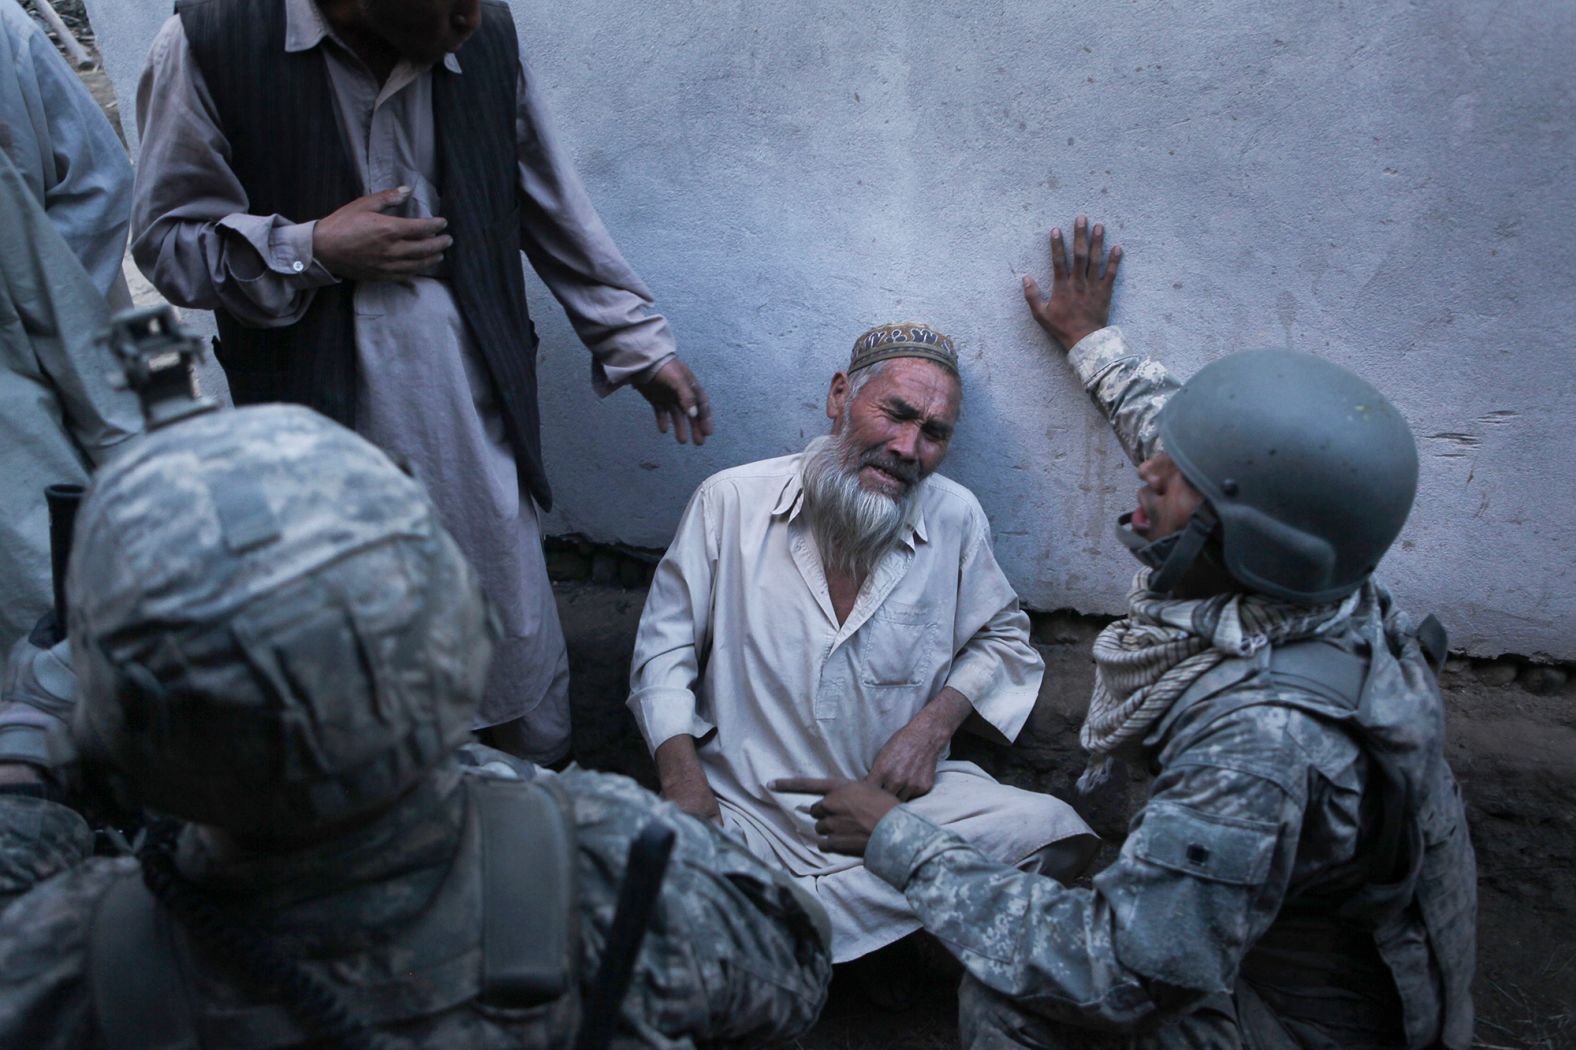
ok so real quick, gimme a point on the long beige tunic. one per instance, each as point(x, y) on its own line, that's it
point(65, 150)
point(423, 387)
point(59, 416)
point(739, 647)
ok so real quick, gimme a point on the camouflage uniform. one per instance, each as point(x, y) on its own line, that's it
point(274, 640)
point(391, 912)
point(1241, 911)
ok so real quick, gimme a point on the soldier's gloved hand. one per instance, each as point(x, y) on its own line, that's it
point(1080, 301)
point(846, 815)
point(37, 697)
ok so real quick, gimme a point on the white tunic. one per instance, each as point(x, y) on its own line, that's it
point(740, 648)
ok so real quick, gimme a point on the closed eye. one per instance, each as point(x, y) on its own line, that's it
point(900, 411)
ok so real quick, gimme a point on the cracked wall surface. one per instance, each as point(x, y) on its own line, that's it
point(1387, 184)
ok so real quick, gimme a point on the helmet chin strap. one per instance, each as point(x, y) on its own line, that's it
point(1170, 556)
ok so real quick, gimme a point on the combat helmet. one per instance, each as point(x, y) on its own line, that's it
point(1307, 472)
point(271, 630)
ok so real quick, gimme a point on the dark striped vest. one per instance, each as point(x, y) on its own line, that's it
point(277, 111)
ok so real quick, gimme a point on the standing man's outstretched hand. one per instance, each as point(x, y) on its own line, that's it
point(678, 398)
point(1080, 301)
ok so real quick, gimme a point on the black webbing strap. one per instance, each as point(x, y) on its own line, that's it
point(530, 925)
point(1435, 641)
point(637, 901)
point(1321, 668)
point(1394, 851)
point(139, 993)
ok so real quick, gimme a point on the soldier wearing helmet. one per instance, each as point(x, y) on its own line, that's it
point(1300, 875)
point(278, 652)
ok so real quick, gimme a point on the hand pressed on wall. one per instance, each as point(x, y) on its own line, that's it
point(1080, 301)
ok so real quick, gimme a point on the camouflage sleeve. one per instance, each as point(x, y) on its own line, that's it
point(1199, 879)
point(736, 955)
point(38, 840)
point(1129, 389)
point(44, 987)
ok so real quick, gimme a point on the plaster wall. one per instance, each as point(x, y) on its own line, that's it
point(1384, 183)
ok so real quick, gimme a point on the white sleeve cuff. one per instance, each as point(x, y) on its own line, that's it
point(663, 714)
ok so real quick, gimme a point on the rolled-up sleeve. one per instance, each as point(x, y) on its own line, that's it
point(570, 249)
point(994, 666)
point(674, 629)
point(192, 233)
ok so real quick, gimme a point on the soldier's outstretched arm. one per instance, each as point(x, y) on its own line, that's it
point(1200, 877)
point(1128, 388)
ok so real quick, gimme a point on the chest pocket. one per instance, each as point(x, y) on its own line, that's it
point(897, 646)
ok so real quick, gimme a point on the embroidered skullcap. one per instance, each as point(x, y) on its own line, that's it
point(904, 339)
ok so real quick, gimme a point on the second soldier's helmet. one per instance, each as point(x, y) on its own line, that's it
point(1309, 470)
point(271, 630)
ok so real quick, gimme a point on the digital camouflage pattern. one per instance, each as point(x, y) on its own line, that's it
point(390, 914)
point(273, 632)
point(1217, 925)
point(38, 840)
point(1130, 389)
point(270, 628)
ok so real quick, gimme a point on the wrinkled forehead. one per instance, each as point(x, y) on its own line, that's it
point(927, 387)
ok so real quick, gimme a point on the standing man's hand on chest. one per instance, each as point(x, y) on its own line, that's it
point(361, 243)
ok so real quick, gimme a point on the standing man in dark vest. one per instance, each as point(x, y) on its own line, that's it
point(348, 184)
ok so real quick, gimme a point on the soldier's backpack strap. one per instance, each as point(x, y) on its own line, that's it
point(530, 927)
point(1395, 853)
point(1322, 668)
point(1434, 640)
point(139, 992)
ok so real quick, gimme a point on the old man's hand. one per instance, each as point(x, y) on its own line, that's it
point(906, 765)
point(847, 813)
point(678, 398)
point(1080, 301)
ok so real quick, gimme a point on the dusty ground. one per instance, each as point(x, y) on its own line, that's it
point(1512, 750)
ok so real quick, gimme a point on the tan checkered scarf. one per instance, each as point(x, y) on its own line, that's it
point(1146, 661)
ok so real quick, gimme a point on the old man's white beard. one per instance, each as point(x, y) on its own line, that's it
point(853, 526)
